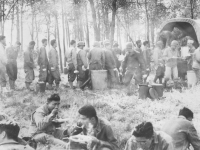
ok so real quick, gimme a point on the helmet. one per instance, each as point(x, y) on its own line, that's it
point(81, 43)
point(129, 45)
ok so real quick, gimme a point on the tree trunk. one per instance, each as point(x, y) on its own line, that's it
point(87, 28)
point(152, 32)
point(63, 28)
point(58, 35)
point(147, 20)
point(96, 30)
point(67, 31)
point(18, 25)
point(32, 24)
point(22, 25)
point(12, 24)
point(37, 31)
point(114, 10)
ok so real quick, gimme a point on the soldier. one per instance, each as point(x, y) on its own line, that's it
point(182, 131)
point(54, 65)
point(117, 52)
point(9, 131)
point(101, 132)
point(43, 127)
point(147, 54)
point(110, 64)
point(11, 67)
point(71, 63)
point(96, 57)
point(82, 64)
point(171, 65)
point(29, 65)
point(144, 137)
point(43, 62)
point(133, 66)
point(3, 62)
point(139, 45)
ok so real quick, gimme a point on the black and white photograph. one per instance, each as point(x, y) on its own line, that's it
point(99, 74)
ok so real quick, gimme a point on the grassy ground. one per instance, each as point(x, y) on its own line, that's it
point(124, 112)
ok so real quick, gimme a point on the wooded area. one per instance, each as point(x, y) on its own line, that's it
point(89, 20)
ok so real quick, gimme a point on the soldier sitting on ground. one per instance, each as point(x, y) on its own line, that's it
point(183, 131)
point(9, 140)
point(43, 123)
point(144, 137)
point(99, 130)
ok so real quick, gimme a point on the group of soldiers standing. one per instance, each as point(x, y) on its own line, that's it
point(80, 61)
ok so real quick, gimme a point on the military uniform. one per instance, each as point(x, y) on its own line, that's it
point(72, 64)
point(11, 67)
point(133, 66)
point(54, 67)
point(29, 66)
point(81, 61)
point(110, 65)
point(96, 59)
point(3, 61)
point(43, 64)
point(42, 129)
point(116, 53)
point(103, 132)
point(13, 145)
point(147, 56)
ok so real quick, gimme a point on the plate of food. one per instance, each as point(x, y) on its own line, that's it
point(60, 120)
point(83, 139)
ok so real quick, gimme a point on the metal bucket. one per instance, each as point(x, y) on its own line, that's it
point(143, 91)
point(99, 79)
point(42, 86)
point(159, 89)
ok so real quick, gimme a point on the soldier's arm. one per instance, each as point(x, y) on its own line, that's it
point(113, 59)
point(74, 59)
point(112, 141)
point(89, 55)
point(27, 59)
point(142, 63)
point(124, 63)
point(39, 57)
point(83, 58)
point(42, 121)
point(3, 57)
point(50, 59)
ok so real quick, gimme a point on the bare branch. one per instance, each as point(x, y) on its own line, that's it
point(10, 9)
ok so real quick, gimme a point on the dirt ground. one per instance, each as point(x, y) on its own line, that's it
point(124, 112)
